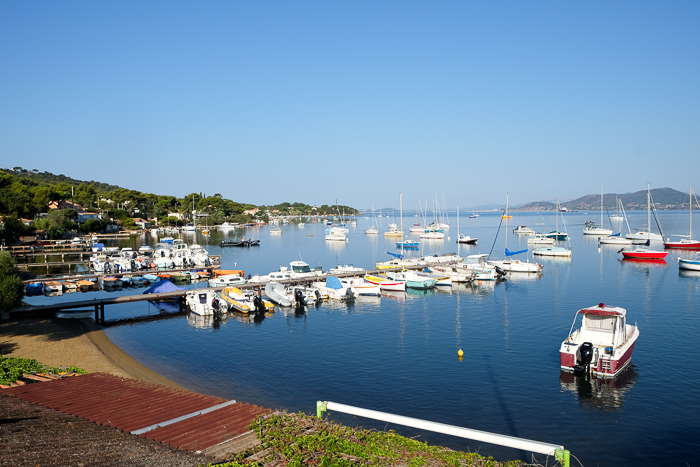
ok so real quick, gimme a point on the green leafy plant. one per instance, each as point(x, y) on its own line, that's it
point(12, 368)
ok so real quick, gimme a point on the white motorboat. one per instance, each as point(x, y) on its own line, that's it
point(466, 239)
point(602, 345)
point(346, 269)
point(480, 268)
point(335, 289)
point(614, 240)
point(552, 251)
point(361, 286)
point(456, 275)
point(227, 226)
point(433, 234)
point(227, 280)
point(203, 302)
point(336, 234)
point(540, 239)
point(522, 229)
point(515, 265)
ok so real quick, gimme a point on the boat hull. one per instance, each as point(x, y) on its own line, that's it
point(689, 264)
point(683, 245)
point(644, 254)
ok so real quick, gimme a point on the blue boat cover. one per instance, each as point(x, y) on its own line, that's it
point(395, 255)
point(511, 253)
point(333, 282)
point(98, 246)
point(616, 235)
point(163, 286)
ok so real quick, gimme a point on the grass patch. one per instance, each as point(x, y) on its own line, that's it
point(300, 440)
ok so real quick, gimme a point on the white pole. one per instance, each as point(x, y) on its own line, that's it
point(483, 436)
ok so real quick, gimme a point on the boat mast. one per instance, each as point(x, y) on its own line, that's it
point(601, 208)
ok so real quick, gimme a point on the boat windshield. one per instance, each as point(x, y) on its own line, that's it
point(301, 269)
point(599, 323)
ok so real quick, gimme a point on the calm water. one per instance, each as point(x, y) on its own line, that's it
point(399, 353)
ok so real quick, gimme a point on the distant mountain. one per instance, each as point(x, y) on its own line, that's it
point(663, 199)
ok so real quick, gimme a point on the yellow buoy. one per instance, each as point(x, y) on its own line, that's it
point(460, 353)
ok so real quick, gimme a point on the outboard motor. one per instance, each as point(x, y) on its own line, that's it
point(500, 271)
point(259, 305)
point(133, 265)
point(584, 357)
point(299, 297)
point(318, 296)
point(349, 295)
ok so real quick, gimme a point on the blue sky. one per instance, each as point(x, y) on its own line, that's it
point(311, 101)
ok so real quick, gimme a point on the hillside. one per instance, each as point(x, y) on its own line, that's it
point(663, 198)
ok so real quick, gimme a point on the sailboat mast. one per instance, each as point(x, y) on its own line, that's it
point(601, 208)
point(648, 212)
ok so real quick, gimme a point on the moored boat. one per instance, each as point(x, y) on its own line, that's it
point(603, 344)
point(385, 283)
point(644, 253)
point(466, 239)
point(691, 264)
point(522, 229)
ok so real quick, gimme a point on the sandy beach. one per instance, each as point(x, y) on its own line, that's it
point(72, 342)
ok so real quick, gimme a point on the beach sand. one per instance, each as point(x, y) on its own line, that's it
point(72, 342)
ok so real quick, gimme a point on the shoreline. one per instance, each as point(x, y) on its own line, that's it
point(73, 342)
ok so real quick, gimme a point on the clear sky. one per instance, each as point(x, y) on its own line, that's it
point(316, 101)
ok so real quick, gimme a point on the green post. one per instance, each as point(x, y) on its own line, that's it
point(320, 408)
point(563, 456)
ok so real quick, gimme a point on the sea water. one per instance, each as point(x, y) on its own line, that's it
point(398, 353)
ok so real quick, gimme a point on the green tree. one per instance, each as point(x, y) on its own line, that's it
point(11, 286)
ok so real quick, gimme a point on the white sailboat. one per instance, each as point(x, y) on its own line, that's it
point(373, 230)
point(394, 231)
point(555, 250)
point(598, 230)
point(688, 243)
point(646, 234)
point(510, 264)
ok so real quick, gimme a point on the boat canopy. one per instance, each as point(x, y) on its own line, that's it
point(332, 282)
point(600, 310)
point(511, 253)
point(163, 286)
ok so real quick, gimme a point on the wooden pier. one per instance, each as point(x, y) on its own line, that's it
point(98, 304)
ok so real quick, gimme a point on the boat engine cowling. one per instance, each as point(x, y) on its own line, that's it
point(584, 356)
point(258, 303)
point(299, 297)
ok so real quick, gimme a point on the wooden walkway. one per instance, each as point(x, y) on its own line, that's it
point(98, 304)
point(178, 418)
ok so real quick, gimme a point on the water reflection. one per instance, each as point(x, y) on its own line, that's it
point(598, 393)
point(207, 321)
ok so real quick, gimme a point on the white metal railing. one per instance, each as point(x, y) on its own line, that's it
point(557, 451)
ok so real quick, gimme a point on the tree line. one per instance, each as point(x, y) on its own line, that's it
point(26, 194)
